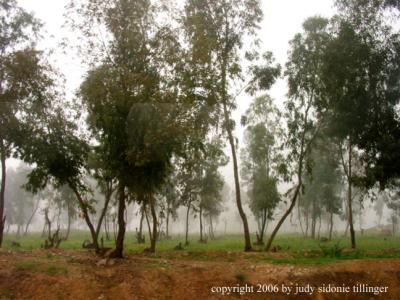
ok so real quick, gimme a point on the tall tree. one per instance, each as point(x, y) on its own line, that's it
point(304, 78)
point(136, 108)
point(23, 81)
point(215, 31)
point(360, 76)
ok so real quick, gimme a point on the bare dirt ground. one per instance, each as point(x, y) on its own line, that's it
point(73, 274)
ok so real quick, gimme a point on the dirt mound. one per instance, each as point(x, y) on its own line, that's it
point(79, 275)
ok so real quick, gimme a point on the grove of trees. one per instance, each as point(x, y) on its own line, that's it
point(151, 120)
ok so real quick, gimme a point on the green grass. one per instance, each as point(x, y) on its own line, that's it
point(295, 248)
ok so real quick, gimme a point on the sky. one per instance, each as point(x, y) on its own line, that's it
point(282, 20)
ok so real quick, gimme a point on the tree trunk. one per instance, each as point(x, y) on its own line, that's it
point(331, 226)
point(69, 223)
point(263, 225)
point(148, 223)
point(108, 195)
point(167, 222)
point(141, 222)
point(2, 189)
point(299, 217)
point(247, 246)
point(154, 216)
point(286, 214)
point(228, 127)
point(349, 199)
point(106, 228)
point(211, 229)
point(83, 207)
point(187, 225)
point(319, 227)
point(119, 245)
point(31, 217)
point(18, 230)
point(313, 220)
point(201, 224)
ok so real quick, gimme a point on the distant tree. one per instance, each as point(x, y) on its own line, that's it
point(321, 186)
point(262, 160)
point(211, 182)
point(24, 204)
point(171, 194)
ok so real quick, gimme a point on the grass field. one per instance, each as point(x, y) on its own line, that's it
point(293, 248)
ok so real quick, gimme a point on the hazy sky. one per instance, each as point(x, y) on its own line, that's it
point(282, 19)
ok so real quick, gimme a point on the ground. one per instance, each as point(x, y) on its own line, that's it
point(216, 270)
point(80, 274)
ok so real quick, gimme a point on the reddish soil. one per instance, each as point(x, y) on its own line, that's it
point(77, 275)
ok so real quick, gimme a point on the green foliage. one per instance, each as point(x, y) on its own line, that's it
point(240, 277)
point(262, 159)
point(334, 251)
point(360, 76)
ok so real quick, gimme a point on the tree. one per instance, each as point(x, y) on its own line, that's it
point(360, 78)
point(24, 204)
point(322, 184)
point(215, 31)
point(23, 83)
point(211, 182)
point(171, 195)
point(262, 160)
point(304, 78)
point(136, 110)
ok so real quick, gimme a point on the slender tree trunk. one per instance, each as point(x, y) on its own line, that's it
point(154, 216)
point(119, 245)
point(44, 230)
point(106, 228)
point(247, 246)
point(69, 222)
point(148, 223)
point(299, 217)
point(211, 228)
point(32, 215)
point(306, 214)
point(319, 227)
point(286, 214)
point(84, 209)
point(167, 222)
point(201, 224)
point(349, 199)
point(228, 127)
point(187, 224)
point(331, 226)
point(141, 223)
point(313, 220)
point(18, 230)
point(108, 195)
point(2, 188)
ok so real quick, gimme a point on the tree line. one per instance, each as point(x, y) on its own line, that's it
point(151, 117)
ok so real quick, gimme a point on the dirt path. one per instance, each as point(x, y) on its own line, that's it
point(81, 275)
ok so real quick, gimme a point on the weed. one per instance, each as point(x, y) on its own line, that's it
point(240, 277)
